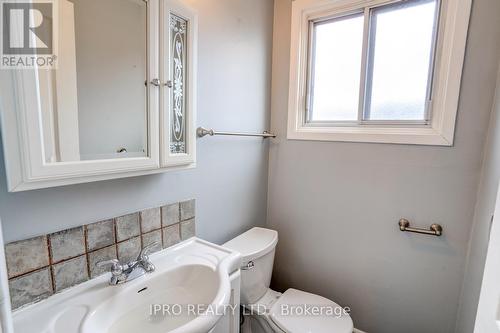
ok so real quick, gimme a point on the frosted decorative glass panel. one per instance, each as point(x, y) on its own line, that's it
point(178, 67)
point(178, 27)
point(402, 40)
point(336, 69)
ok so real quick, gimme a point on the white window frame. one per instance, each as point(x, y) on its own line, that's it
point(448, 63)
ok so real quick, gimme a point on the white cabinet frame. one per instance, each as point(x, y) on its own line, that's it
point(22, 126)
point(178, 8)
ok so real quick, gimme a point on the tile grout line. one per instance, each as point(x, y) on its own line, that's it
point(73, 257)
point(29, 272)
point(51, 270)
point(86, 253)
point(115, 226)
point(140, 229)
point(179, 212)
point(161, 227)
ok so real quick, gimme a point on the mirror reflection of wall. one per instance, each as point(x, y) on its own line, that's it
point(95, 102)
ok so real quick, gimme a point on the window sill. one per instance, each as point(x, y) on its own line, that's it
point(395, 135)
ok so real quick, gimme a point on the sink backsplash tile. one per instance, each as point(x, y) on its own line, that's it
point(41, 266)
point(151, 237)
point(187, 210)
point(100, 234)
point(66, 244)
point(27, 255)
point(106, 253)
point(187, 229)
point(70, 272)
point(128, 249)
point(127, 226)
point(31, 287)
point(171, 214)
point(150, 220)
point(171, 235)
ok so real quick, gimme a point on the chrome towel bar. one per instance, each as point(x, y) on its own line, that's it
point(201, 132)
point(434, 230)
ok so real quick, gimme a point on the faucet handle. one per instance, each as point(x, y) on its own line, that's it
point(143, 255)
point(116, 267)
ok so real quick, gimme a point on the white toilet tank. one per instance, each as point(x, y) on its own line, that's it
point(257, 247)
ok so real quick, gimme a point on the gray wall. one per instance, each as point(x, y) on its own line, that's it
point(230, 181)
point(485, 207)
point(336, 205)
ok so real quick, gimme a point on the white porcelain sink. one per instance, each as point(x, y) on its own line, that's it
point(131, 311)
point(186, 294)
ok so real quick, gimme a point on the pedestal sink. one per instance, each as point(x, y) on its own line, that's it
point(188, 293)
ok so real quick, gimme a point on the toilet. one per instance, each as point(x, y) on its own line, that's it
point(268, 311)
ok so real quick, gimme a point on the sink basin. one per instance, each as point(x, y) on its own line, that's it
point(161, 304)
point(187, 293)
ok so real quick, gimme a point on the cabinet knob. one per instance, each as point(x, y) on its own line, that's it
point(156, 82)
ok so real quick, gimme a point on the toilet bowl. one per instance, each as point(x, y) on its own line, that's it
point(268, 311)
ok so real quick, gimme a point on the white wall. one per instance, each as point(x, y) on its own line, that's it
point(485, 208)
point(230, 181)
point(488, 315)
point(336, 205)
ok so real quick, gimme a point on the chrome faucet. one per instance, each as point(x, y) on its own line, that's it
point(121, 273)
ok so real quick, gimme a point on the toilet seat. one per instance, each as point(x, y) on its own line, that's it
point(293, 313)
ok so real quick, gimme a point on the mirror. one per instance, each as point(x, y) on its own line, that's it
point(95, 104)
point(121, 101)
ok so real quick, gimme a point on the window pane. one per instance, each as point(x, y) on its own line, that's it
point(336, 69)
point(402, 36)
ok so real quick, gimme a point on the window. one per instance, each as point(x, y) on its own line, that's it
point(398, 60)
point(376, 71)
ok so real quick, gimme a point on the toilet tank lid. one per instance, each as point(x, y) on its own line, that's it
point(254, 243)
